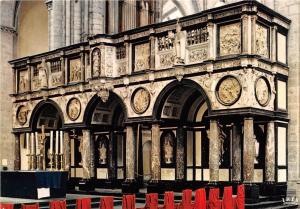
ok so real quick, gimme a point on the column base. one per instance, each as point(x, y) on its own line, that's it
point(251, 193)
point(130, 187)
point(86, 185)
point(156, 187)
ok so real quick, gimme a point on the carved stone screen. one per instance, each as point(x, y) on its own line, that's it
point(262, 41)
point(230, 39)
point(142, 57)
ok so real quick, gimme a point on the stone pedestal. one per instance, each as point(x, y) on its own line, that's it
point(214, 150)
point(236, 153)
point(249, 151)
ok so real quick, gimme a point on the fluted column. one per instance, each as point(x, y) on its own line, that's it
point(270, 153)
point(248, 151)
point(155, 153)
point(214, 150)
point(88, 163)
point(130, 154)
point(180, 153)
point(98, 17)
point(236, 153)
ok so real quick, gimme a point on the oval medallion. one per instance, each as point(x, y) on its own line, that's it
point(262, 91)
point(73, 108)
point(22, 113)
point(228, 90)
point(140, 100)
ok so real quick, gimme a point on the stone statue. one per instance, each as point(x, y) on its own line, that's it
point(179, 44)
point(168, 149)
point(43, 74)
point(102, 153)
point(80, 149)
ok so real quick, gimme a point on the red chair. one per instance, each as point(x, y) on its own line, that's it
point(240, 198)
point(227, 202)
point(168, 201)
point(59, 204)
point(200, 199)
point(107, 202)
point(6, 206)
point(151, 201)
point(214, 201)
point(128, 201)
point(186, 202)
point(83, 203)
point(30, 206)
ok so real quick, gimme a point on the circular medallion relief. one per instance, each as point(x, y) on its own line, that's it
point(262, 91)
point(22, 113)
point(140, 100)
point(228, 90)
point(73, 108)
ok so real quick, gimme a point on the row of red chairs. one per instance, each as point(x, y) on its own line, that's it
point(128, 201)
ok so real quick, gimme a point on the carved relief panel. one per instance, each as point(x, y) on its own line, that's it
point(228, 90)
point(22, 114)
point(56, 73)
point(142, 57)
point(140, 100)
point(74, 70)
point(23, 81)
point(73, 108)
point(96, 62)
point(230, 39)
point(262, 41)
point(121, 60)
point(262, 91)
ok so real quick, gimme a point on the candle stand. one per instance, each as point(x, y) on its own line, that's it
point(38, 161)
point(61, 162)
point(56, 161)
point(51, 161)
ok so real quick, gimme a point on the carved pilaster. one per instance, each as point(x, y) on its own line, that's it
point(152, 52)
point(273, 43)
point(214, 149)
point(237, 153)
point(248, 151)
point(270, 153)
point(246, 31)
point(211, 28)
point(180, 153)
point(155, 153)
point(130, 154)
point(253, 32)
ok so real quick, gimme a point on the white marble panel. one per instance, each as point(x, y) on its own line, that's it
point(198, 174)
point(281, 152)
point(205, 174)
point(281, 95)
point(282, 175)
point(102, 173)
point(168, 174)
point(189, 174)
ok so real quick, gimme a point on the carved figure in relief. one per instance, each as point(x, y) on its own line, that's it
point(168, 149)
point(102, 152)
point(74, 108)
point(22, 115)
point(262, 91)
point(96, 56)
point(230, 39)
point(75, 72)
point(179, 44)
point(43, 74)
point(229, 90)
point(262, 41)
point(22, 83)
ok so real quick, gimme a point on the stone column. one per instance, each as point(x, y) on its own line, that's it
point(98, 17)
point(214, 149)
point(17, 162)
point(77, 21)
point(249, 151)
point(62, 66)
point(155, 153)
point(180, 153)
point(211, 29)
point(152, 51)
point(130, 154)
point(112, 165)
point(67, 152)
point(236, 153)
point(270, 153)
point(88, 163)
point(55, 17)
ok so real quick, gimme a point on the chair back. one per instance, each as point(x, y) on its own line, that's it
point(6, 206)
point(227, 202)
point(169, 200)
point(58, 204)
point(240, 199)
point(83, 203)
point(200, 199)
point(128, 201)
point(214, 202)
point(30, 206)
point(107, 202)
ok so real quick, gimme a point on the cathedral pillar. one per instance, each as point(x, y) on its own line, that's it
point(130, 154)
point(180, 153)
point(214, 151)
point(236, 153)
point(17, 162)
point(88, 163)
point(270, 153)
point(248, 151)
point(155, 153)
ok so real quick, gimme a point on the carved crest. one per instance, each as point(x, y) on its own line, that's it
point(102, 90)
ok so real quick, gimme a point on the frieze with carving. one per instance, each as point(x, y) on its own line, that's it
point(140, 100)
point(166, 59)
point(109, 54)
point(142, 57)
point(199, 54)
point(96, 62)
point(75, 70)
point(73, 108)
point(57, 79)
point(228, 90)
point(230, 39)
point(262, 91)
point(261, 43)
point(22, 114)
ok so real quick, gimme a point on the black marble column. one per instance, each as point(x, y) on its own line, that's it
point(180, 153)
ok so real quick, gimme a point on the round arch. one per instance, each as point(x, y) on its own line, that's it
point(38, 110)
point(95, 100)
point(163, 95)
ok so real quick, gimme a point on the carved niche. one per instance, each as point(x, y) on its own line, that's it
point(140, 100)
point(142, 57)
point(262, 91)
point(96, 62)
point(22, 113)
point(261, 43)
point(73, 108)
point(230, 39)
point(168, 148)
point(22, 81)
point(228, 90)
point(74, 70)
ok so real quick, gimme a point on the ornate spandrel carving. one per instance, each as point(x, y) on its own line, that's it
point(142, 57)
point(140, 100)
point(75, 70)
point(230, 39)
point(262, 91)
point(261, 42)
point(22, 81)
point(96, 62)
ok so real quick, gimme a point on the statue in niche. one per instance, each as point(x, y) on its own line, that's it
point(168, 147)
point(96, 56)
point(22, 81)
point(80, 149)
point(43, 74)
point(179, 44)
point(102, 152)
